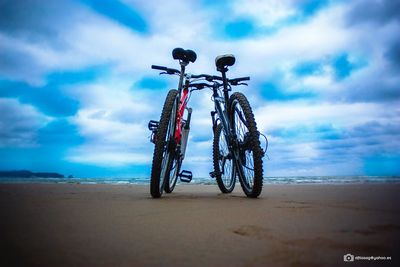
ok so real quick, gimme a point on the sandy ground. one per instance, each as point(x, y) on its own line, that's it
point(120, 225)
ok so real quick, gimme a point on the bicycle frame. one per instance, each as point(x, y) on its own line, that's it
point(183, 93)
point(221, 107)
point(180, 111)
point(221, 104)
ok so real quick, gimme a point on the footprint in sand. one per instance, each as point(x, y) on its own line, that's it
point(253, 231)
point(375, 229)
point(294, 205)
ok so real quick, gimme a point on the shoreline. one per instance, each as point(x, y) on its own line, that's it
point(297, 180)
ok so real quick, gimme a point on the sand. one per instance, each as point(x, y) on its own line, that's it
point(120, 225)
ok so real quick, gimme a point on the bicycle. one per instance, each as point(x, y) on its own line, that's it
point(237, 149)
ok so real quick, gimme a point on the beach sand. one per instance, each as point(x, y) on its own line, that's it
point(120, 225)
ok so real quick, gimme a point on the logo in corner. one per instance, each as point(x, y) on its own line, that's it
point(348, 257)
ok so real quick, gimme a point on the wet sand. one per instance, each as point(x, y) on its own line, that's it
point(120, 225)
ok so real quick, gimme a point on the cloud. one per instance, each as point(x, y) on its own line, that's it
point(113, 125)
point(272, 91)
point(375, 12)
point(17, 63)
point(29, 19)
point(19, 124)
point(34, 38)
point(97, 156)
point(278, 115)
point(392, 54)
point(55, 97)
point(319, 78)
point(59, 134)
point(330, 145)
point(363, 86)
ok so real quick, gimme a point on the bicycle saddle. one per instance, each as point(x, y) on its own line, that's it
point(184, 55)
point(224, 61)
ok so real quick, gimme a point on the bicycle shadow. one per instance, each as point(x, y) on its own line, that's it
point(206, 196)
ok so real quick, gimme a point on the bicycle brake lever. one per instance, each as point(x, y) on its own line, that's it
point(164, 72)
point(243, 84)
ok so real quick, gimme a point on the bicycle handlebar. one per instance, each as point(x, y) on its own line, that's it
point(237, 80)
point(209, 78)
point(167, 70)
point(200, 86)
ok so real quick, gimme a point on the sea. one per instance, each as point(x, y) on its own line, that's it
point(211, 181)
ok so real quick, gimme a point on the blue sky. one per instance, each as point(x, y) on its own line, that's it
point(77, 91)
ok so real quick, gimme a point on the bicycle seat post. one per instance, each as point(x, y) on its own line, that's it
point(222, 63)
point(225, 83)
point(183, 66)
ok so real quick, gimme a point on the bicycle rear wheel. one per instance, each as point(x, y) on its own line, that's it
point(248, 149)
point(164, 150)
point(223, 162)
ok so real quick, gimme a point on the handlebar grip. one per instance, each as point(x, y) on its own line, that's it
point(242, 79)
point(237, 81)
point(155, 67)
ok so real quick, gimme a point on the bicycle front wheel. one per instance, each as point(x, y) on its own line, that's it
point(164, 150)
point(248, 152)
point(172, 177)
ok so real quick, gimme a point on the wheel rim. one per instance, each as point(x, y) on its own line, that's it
point(225, 162)
point(167, 155)
point(175, 168)
point(246, 157)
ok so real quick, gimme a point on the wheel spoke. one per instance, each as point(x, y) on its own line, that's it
point(225, 162)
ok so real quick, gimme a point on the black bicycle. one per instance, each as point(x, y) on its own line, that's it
point(237, 149)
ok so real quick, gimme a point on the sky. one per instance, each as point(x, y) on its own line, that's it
point(77, 90)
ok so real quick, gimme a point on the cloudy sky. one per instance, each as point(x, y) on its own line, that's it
point(77, 91)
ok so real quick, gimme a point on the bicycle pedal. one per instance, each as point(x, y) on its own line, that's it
point(153, 125)
point(185, 176)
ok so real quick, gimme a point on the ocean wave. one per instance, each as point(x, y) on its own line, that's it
point(211, 181)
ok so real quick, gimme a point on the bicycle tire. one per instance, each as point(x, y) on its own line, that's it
point(157, 186)
point(170, 184)
point(225, 184)
point(252, 186)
